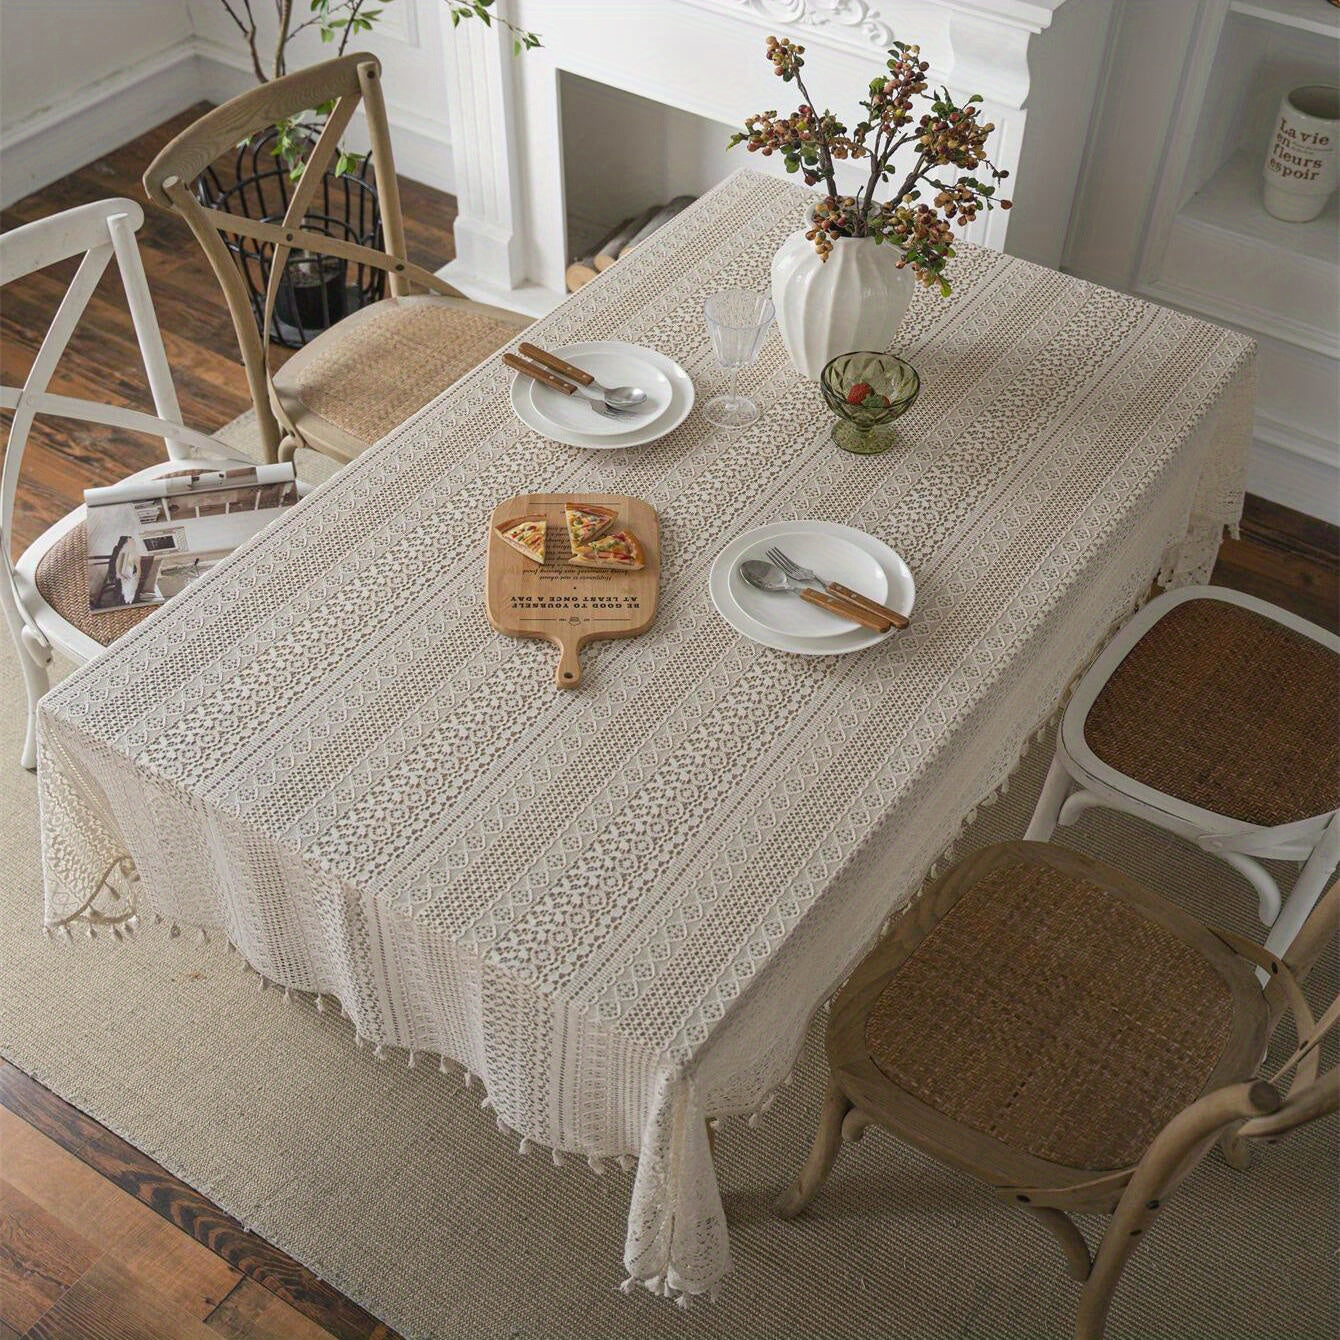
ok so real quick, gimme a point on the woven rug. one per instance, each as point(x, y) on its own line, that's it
point(395, 1186)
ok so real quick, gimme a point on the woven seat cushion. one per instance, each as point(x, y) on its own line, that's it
point(1054, 1017)
point(62, 581)
point(1226, 709)
point(369, 374)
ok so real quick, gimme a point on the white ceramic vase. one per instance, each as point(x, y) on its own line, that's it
point(853, 300)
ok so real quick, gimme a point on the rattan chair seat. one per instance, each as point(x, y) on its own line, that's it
point(372, 371)
point(1223, 708)
point(1054, 1017)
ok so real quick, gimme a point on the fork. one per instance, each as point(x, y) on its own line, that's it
point(800, 574)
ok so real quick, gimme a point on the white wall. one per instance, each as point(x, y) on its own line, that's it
point(78, 78)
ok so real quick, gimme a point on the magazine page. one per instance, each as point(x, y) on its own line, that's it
point(150, 538)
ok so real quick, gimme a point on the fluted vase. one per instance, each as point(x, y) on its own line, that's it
point(853, 300)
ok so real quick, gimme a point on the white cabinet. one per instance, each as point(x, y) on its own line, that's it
point(1205, 242)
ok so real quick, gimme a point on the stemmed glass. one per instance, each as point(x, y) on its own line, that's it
point(737, 321)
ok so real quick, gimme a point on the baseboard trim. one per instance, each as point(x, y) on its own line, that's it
point(1296, 469)
point(96, 119)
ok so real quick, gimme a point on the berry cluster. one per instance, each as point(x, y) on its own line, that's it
point(810, 142)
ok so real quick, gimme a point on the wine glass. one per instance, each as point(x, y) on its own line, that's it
point(737, 321)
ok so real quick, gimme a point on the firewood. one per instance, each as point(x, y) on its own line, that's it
point(584, 270)
point(658, 218)
point(609, 250)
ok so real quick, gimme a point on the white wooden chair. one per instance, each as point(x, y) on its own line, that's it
point(1215, 716)
point(44, 594)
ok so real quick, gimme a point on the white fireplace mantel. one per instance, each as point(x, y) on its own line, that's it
point(1035, 62)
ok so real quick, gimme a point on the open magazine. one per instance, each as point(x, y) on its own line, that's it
point(148, 538)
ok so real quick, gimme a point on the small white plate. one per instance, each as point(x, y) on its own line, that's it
point(638, 433)
point(901, 593)
point(836, 559)
point(611, 365)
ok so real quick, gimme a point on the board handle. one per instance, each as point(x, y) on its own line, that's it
point(569, 672)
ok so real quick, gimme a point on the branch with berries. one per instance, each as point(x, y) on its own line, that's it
point(944, 136)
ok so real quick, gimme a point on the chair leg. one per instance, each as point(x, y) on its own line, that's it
point(1123, 1236)
point(1307, 890)
point(36, 682)
point(1064, 1229)
point(1054, 792)
point(823, 1154)
point(1237, 1152)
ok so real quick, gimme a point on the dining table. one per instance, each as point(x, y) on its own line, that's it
point(621, 905)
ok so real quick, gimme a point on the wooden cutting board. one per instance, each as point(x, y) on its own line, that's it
point(565, 605)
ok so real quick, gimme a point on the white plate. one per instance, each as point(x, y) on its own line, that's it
point(901, 588)
point(638, 434)
point(612, 365)
point(838, 560)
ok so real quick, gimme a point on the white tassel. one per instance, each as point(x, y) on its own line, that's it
point(67, 932)
point(502, 1127)
point(379, 1051)
point(442, 1064)
point(320, 1004)
point(524, 1147)
point(133, 921)
point(202, 936)
point(128, 929)
point(469, 1079)
point(656, 1284)
point(558, 1159)
point(288, 996)
point(753, 1120)
point(628, 1285)
point(682, 1302)
point(358, 1040)
point(626, 1162)
point(596, 1164)
point(487, 1103)
point(261, 983)
point(1005, 787)
point(714, 1123)
point(412, 1066)
point(92, 934)
point(768, 1102)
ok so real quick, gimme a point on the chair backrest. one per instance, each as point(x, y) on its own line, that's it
point(345, 84)
point(98, 232)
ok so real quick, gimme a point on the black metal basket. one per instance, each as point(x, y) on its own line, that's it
point(316, 290)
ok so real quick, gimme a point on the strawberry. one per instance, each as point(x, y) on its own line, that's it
point(858, 393)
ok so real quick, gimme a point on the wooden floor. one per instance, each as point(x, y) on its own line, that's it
point(97, 1242)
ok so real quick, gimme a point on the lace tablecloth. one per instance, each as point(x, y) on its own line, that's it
point(620, 906)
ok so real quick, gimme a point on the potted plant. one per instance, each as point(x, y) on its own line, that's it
point(844, 281)
point(316, 290)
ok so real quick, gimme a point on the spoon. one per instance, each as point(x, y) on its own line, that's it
point(616, 397)
point(769, 577)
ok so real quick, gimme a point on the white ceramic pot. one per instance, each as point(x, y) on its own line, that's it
point(1300, 169)
point(853, 300)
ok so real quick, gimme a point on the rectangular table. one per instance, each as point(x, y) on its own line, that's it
point(323, 750)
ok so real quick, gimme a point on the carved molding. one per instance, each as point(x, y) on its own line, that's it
point(857, 15)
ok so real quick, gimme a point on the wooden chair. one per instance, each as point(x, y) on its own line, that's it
point(1041, 1021)
point(368, 373)
point(45, 594)
point(1215, 716)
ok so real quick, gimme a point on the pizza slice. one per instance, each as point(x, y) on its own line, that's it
point(586, 521)
point(525, 535)
point(620, 550)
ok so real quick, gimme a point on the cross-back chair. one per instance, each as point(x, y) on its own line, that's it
point(369, 372)
point(1046, 1024)
point(44, 593)
point(1215, 716)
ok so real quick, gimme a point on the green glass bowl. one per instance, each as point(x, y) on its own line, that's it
point(865, 422)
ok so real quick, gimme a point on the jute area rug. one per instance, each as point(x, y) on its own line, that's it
point(395, 1186)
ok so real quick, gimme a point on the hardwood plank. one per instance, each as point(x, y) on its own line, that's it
point(40, 1258)
point(253, 1313)
point(109, 1302)
point(196, 1216)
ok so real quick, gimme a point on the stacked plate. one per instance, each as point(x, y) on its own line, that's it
point(572, 420)
point(835, 553)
